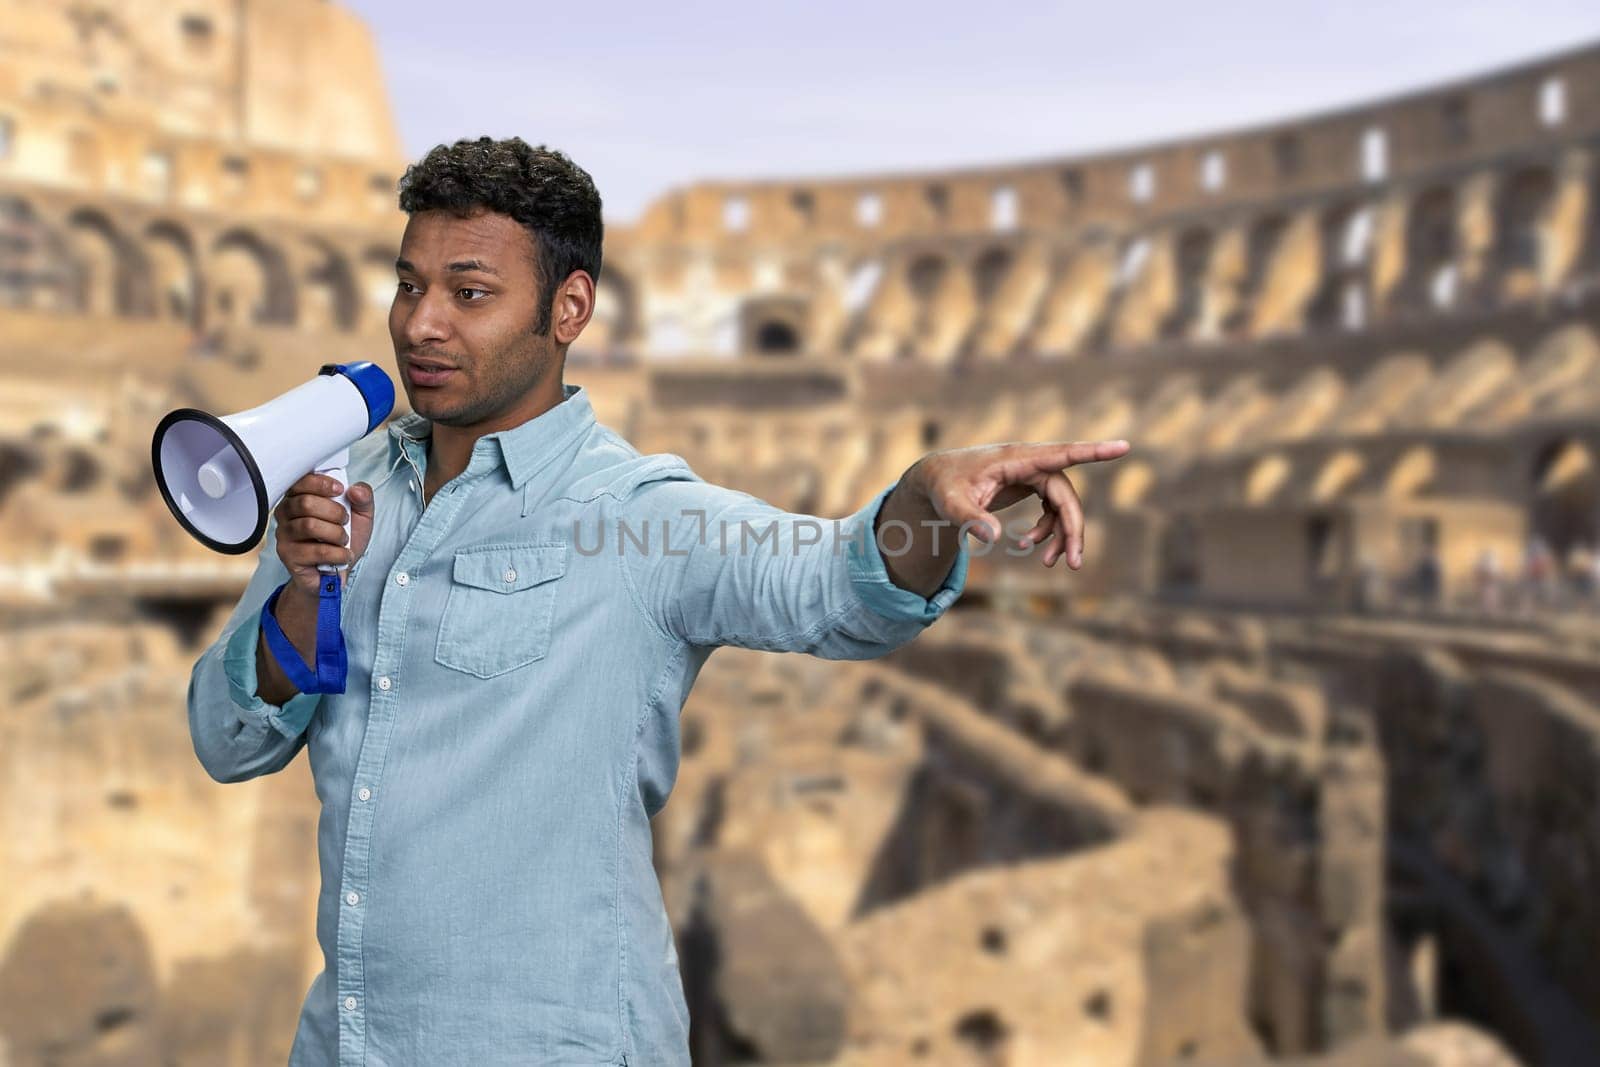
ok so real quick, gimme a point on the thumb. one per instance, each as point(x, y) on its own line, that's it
point(360, 498)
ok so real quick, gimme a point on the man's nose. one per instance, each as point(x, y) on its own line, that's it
point(426, 322)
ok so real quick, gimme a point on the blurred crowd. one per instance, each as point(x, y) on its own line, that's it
point(1542, 580)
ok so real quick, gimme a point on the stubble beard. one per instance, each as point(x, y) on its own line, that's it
point(504, 394)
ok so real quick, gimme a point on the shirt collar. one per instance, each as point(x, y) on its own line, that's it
point(524, 449)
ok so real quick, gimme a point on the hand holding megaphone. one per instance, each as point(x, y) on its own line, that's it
point(219, 475)
point(316, 528)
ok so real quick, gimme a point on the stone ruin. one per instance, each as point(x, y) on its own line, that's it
point(1299, 769)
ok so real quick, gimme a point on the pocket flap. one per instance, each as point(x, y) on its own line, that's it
point(508, 568)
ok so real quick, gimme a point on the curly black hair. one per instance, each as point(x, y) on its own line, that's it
point(553, 197)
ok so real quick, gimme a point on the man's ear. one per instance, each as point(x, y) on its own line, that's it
point(573, 308)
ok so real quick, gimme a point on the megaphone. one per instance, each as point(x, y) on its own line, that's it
point(221, 477)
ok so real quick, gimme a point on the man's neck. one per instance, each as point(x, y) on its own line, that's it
point(450, 447)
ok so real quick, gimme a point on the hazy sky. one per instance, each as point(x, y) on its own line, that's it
point(647, 96)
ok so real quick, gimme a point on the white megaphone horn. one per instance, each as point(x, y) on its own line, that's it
point(221, 477)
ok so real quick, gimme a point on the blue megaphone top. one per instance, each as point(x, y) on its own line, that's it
point(376, 388)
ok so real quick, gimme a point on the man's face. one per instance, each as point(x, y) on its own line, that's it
point(463, 316)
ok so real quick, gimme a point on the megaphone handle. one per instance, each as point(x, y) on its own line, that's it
point(335, 467)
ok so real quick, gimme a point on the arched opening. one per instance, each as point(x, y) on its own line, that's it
point(1267, 479)
point(1431, 277)
point(924, 275)
point(862, 284)
point(110, 274)
point(615, 311)
point(989, 272)
point(172, 272)
point(1411, 474)
point(1561, 372)
point(776, 338)
point(1566, 496)
point(249, 283)
point(38, 270)
point(1260, 246)
point(1194, 263)
point(1337, 476)
point(1521, 213)
point(1180, 555)
point(1131, 485)
point(1343, 297)
point(328, 298)
point(376, 279)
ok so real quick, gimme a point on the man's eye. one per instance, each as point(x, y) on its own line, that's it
point(406, 287)
point(485, 292)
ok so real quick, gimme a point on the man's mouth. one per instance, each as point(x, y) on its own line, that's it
point(428, 372)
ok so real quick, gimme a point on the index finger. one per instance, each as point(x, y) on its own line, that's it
point(1057, 455)
point(319, 484)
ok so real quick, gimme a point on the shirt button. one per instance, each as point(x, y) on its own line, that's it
point(385, 684)
point(402, 578)
point(412, 485)
point(511, 575)
point(364, 793)
point(352, 898)
point(349, 1003)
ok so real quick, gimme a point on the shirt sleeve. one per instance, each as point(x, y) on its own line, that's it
point(236, 734)
point(726, 568)
point(873, 584)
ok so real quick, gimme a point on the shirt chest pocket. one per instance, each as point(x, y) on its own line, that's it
point(501, 604)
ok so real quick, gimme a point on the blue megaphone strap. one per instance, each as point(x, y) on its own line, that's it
point(331, 664)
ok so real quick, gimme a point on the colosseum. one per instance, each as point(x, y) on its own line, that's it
point(1303, 767)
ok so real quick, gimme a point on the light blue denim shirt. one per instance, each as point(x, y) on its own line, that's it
point(519, 652)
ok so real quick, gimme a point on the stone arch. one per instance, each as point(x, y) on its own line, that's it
point(1376, 401)
point(1131, 485)
point(1566, 494)
point(1432, 244)
point(1193, 268)
point(1469, 379)
point(1561, 372)
point(1337, 475)
point(328, 296)
point(989, 272)
point(91, 963)
point(1522, 208)
point(250, 283)
point(111, 278)
point(1343, 296)
point(1305, 407)
point(1267, 478)
point(375, 280)
point(616, 309)
point(924, 275)
point(1262, 242)
point(1179, 554)
point(39, 272)
point(1411, 474)
point(1171, 413)
point(174, 275)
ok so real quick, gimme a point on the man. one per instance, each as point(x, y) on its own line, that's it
point(529, 603)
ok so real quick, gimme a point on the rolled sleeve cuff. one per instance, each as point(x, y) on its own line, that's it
point(239, 664)
point(879, 592)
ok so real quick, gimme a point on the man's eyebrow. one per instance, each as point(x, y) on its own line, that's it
point(461, 266)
